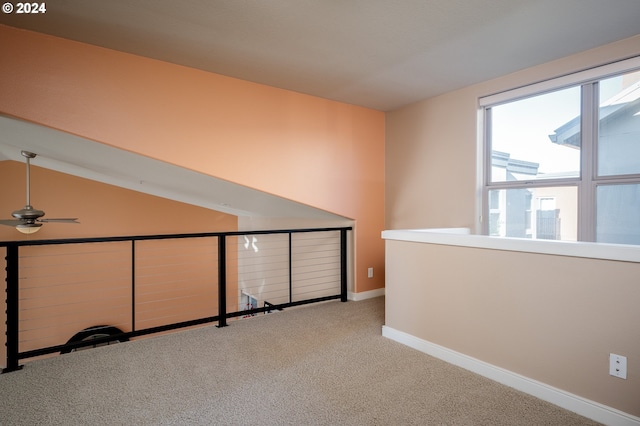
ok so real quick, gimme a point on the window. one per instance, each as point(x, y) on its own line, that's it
point(563, 162)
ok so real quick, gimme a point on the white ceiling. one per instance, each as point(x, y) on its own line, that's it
point(379, 54)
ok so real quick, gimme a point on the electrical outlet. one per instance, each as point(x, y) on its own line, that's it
point(370, 272)
point(618, 366)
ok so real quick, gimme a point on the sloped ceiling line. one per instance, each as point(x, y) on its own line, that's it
point(90, 160)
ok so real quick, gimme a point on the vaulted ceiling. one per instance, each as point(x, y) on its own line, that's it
point(379, 54)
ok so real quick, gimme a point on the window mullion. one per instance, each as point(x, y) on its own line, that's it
point(540, 183)
point(484, 219)
point(586, 187)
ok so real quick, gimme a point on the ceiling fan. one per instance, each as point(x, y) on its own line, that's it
point(29, 220)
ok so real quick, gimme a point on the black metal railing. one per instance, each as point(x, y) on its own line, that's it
point(142, 285)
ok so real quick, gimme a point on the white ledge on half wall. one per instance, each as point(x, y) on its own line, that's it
point(462, 237)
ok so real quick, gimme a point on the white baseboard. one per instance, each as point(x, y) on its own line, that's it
point(365, 294)
point(590, 409)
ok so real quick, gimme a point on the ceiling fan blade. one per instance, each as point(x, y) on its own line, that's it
point(10, 222)
point(64, 220)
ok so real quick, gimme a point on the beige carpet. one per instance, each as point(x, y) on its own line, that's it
point(325, 364)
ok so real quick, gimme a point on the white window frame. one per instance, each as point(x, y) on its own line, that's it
point(588, 181)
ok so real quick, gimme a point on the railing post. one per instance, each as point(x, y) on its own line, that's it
point(290, 268)
point(343, 265)
point(12, 309)
point(133, 285)
point(222, 281)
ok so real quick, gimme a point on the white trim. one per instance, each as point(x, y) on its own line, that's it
point(462, 237)
point(365, 294)
point(579, 77)
point(587, 408)
point(586, 80)
point(481, 168)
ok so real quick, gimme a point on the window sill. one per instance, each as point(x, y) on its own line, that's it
point(463, 237)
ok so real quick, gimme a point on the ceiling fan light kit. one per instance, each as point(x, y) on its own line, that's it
point(29, 228)
point(28, 219)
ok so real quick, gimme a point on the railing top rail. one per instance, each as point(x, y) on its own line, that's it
point(165, 236)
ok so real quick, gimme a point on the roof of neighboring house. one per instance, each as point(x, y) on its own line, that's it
point(504, 160)
point(625, 103)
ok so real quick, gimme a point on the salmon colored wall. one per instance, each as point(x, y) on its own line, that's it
point(103, 210)
point(322, 153)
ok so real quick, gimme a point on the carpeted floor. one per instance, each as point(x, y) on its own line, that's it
point(324, 364)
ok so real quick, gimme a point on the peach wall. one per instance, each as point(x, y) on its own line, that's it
point(322, 153)
point(103, 210)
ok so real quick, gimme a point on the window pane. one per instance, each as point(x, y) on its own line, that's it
point(537, 213)
point(618, 214)
point(537, 137)
point(619, 125)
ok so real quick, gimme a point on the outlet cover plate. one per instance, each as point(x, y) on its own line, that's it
point(618, 366)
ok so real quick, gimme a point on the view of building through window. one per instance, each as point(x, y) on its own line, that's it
point(545, 169)
point(524, 129)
